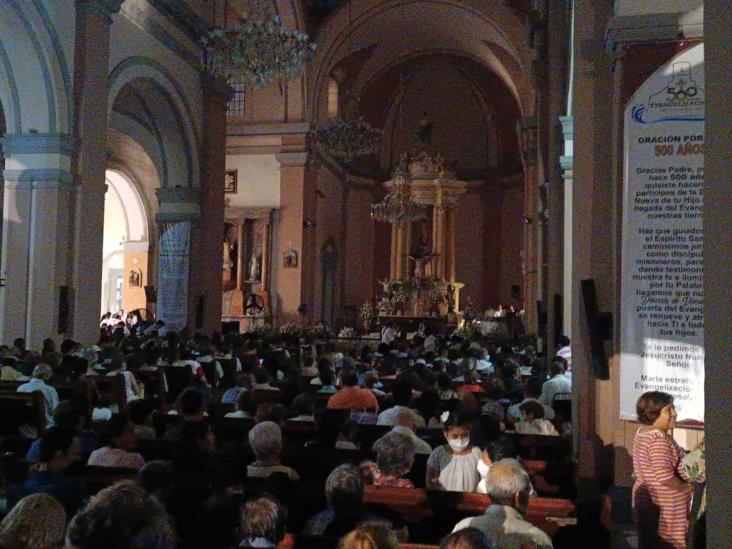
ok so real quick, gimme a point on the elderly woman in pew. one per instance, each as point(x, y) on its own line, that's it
point(346, 509)
point(266, 441)
point(394, 459)
point(263, 522)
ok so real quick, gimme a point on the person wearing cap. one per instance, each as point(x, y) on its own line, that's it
point(41, 374)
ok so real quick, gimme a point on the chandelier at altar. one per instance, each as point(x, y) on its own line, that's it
point(398, 205)
point(258, 50)
point(349, 137)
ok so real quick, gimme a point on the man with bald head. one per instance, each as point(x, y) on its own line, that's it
point(508, 487)
point(404, 424)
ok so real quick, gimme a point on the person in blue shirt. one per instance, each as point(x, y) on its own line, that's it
point(60, 448)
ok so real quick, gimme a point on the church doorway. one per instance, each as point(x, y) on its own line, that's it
point(126, 246)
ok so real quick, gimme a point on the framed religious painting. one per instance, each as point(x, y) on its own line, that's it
point(231, 183)
point(135, 278)
point(289, 259)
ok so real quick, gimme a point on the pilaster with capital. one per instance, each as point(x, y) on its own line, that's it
point(37, 193)
point(91, 87)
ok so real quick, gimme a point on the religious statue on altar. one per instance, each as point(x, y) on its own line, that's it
point(254, 270)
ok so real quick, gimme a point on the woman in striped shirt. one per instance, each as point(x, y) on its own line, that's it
point(661, 495)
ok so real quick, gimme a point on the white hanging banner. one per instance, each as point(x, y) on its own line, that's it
point(662, 300)
point(173, 262)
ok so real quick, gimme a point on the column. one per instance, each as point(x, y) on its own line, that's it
point(439, 244)
point(204, 301)
point(293, 284)
point(565, 162)
point(266, 238)
point(240, 263)
point(451, 243)
point(558, 40)
point(527, 129)
point(91, 67)
point(393, 257)
point(38, 189)
point(592, 232)
point(717, 266)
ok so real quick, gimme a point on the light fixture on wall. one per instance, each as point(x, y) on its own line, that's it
point(258, 49)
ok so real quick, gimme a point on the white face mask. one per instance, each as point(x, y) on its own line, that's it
point(458, 444)
point(483, 469)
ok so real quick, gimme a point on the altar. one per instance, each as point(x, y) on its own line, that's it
point(422, 282)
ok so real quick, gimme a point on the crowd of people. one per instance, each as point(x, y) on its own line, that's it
point(471, 391)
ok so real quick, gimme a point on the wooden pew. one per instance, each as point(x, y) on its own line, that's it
point(179, 377)
point(438, 506)
point(18, 409)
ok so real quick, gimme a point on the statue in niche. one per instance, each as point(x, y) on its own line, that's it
point(255, 272)
point(425, 130)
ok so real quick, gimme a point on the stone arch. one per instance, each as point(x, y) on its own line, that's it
point(154, 101)
point(126, 240)
point(35, 83)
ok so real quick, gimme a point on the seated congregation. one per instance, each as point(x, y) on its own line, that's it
point(267, 439)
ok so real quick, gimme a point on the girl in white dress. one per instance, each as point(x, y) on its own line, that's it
point(453, 466)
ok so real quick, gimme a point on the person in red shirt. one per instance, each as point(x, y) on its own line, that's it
point(351, 396)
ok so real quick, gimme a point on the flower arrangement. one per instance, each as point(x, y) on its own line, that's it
point(259, 50)
point(347, 333)
point(366, 315)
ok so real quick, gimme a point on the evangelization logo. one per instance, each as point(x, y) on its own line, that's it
point(680, 99)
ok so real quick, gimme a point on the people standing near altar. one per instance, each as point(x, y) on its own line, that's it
point(388, 334)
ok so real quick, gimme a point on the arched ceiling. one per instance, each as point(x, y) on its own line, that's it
point(391, 30)
point(467, 60)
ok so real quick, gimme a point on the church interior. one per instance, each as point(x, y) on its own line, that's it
point(365, 273)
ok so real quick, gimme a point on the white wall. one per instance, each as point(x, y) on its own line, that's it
point(644, 7)
point(259, 180)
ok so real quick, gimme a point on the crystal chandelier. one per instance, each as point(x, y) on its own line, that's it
point(349, 137)
point(258, 50)
point(398, 205)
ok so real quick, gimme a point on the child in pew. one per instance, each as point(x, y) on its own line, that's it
point(454, 466)
point(348, 435)
point(533, 422)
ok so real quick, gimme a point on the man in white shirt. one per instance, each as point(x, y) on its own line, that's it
point(508, 487)
point(532, 390)
point(405, 425)
point(559, 383)
point(402, 397)
point(41, 374)
point(565, 351)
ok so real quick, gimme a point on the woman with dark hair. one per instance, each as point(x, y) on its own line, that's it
point(120, 438)
point(661, 496)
